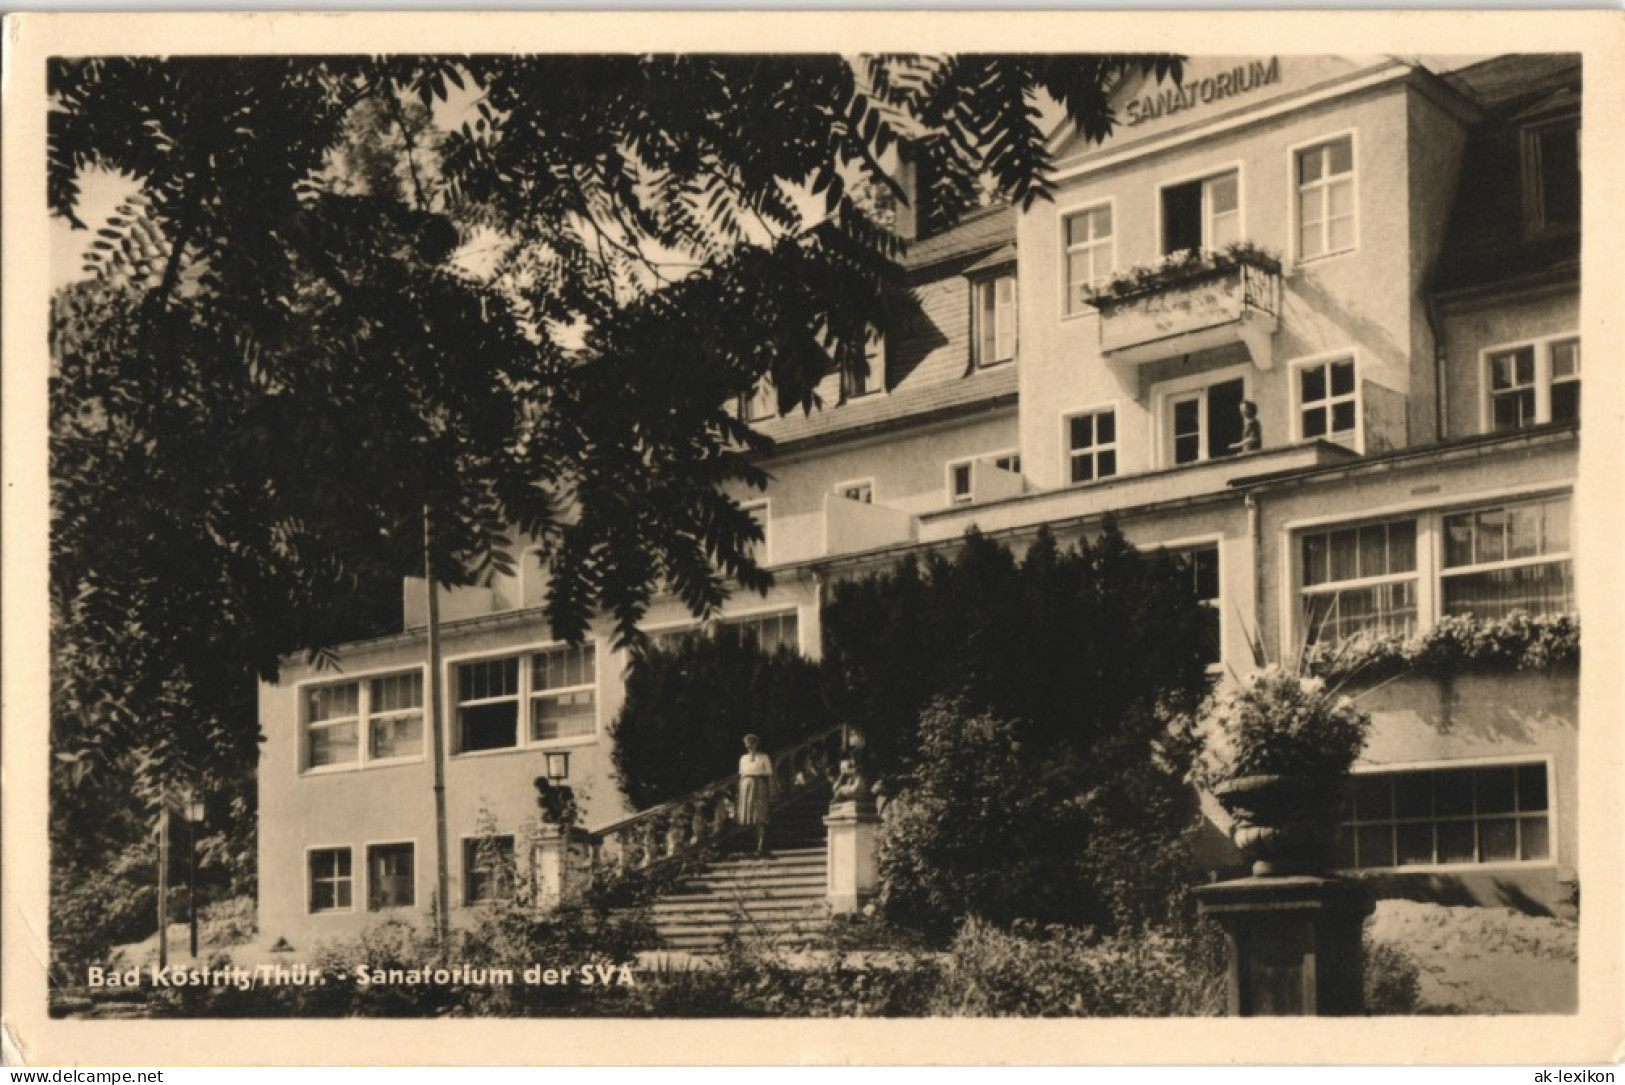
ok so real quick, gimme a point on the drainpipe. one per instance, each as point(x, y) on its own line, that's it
point(1441, 383)
point(1255, 535)
point(437, 733)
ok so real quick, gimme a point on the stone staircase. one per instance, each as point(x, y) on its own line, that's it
point(780, 899)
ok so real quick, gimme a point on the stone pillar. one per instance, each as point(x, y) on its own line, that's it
point(1293, 944)
point(559, 869)
point(854, 874)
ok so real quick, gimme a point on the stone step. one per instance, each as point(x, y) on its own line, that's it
point(715, 884)
point(726, 906)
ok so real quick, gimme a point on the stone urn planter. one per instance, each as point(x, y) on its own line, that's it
point(1284, 824)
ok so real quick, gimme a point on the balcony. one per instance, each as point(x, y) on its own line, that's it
point(1192, 301)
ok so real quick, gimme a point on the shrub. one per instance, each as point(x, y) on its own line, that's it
point(1392, 979)
point(1273, 722)
point(1068, 972)
point(686, 711)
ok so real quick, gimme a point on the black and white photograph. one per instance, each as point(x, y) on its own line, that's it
point(781, 528)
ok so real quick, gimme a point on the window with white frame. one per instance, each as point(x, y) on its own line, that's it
point(1446, 817)
point(391, 876)
point(563, 697)
point(959, 482)
point(861, 491)
point(1551, 158)
point(363, 720)
point(331, 880)
point(1205, 423)
point(854, 384)
point(1089, 254)
point(555, 689)
point(1508, 557)
point(1328, 400)
point(1092, 445)
point(1325, 180)
point(1359, 579)
point(1531, 384)
point(1203, 564)
point(770, 631)
point(1009, 462)
point(1204, 214)
point(489, 872)
point(993, 317)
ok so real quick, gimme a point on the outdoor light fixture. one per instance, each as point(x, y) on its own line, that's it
point(558, 766)
point(193, 803)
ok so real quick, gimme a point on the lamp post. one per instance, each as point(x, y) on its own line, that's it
point(195, 812)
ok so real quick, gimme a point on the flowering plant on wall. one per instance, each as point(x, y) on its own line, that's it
point(1180, 266)
point(1275, 722)
point(1457, 643)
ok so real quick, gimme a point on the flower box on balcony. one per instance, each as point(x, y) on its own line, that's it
point(1190, 301)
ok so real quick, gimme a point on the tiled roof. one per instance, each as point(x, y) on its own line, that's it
point(914, 400)
point(975, 233)
point(1507, 81)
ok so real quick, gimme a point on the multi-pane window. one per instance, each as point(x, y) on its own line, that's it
point(488, 869)
point(555, 688)
point(1092, 445)
point(1206, 423)
point(390, 877)
point(362, 721)
point(770, 631)
point(1089, 255)
point(1325, 174)
point(331, 880)
point(862, 491)
point(1010, 462)
point(1328, 400)
point(563, 698)
point(1203, 214)
point(1446, 817)
point(1552, 176)
point(994, 317)
point(1534, 383)
point(959, 483)
point(1203, 564)
point(1508, 557)
point(1360, 580)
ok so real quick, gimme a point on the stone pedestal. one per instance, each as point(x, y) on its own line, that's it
point(560, 864)
point(1293, 944)
point(854, 874)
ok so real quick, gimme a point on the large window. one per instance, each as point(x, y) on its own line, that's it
point(1203, 214)
point(770, 632)
point(1205, 423)
point(1360, 580)
point(1325, 175)
point(1551, 154)
point(1092, 445)
point(363, 721)
point(1531, 384)
point(1508, 557)
point(555, 688)
point(391, 877)
point(994, 319)
point(1328, 401)
point(331, 880)
point(1447, 817)
point(1203, 565)
point(1089, 254)
point(488, 869)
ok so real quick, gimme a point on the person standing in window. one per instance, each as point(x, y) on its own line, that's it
point(1252, 434)
point(755, 790)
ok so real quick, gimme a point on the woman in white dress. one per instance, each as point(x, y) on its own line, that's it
point(755, 789)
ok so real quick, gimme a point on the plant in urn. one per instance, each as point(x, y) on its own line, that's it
point(1274, 748)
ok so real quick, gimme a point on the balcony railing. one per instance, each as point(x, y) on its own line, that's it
point(1193, 301)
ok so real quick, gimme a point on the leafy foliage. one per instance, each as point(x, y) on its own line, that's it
point(1181, 266)
point(1276, 722)
point(1456, 643)
point(687, 709)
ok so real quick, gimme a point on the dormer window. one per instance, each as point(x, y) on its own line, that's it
point(854, 384)
point(993, 320)
point(1551, 172)
point(761, 403)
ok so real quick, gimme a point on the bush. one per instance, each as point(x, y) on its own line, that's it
point(1392, 979)
point(1067, 972)
point(686, 711)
